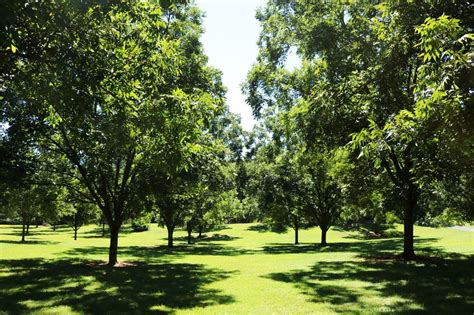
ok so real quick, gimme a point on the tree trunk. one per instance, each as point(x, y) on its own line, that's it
point(296, 229)
point(28, 228)
point(189, 236)
point(23, 232)
point(54, 227)
point(114, 232)
point(200, 230)
point(323, 236)
point(170, 235)
point(75, 227)
point(103, 228)
point(408, 221)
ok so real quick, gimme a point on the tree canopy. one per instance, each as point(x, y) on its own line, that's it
point(391, 81)
point(111, 87)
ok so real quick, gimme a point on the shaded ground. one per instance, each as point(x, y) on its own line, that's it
point(100, 290)
point(442, 286)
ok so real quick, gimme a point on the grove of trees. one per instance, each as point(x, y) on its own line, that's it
point(388, 82)
point(111, 113)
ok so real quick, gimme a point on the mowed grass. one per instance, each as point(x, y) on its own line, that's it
point(240, 269)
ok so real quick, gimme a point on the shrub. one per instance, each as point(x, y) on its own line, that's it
point(141, 223)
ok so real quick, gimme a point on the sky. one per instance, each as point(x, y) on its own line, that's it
point(230, 42)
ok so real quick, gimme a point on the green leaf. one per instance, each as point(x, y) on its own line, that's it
point(13, 48)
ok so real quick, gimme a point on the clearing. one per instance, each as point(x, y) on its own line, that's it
point(242, 268)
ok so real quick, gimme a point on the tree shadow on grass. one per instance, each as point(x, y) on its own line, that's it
point(96, 232)
point(368, 248)
point(162, 253)
point(218, 228)
point(206, 239)
point(40, 231)
point(17, 230)
point(363, 234)
point(29, 241)
point(437, 286)
point(364, 249)
point(137, 288)
point(263, 228)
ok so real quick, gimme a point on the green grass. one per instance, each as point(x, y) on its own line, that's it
point(240, 269)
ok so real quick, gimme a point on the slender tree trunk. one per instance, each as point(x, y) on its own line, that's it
point(170, 229)
point(408, 221)
point(114, 233)
point(28, 228)
point(296, 229)
point(189, 236)
point(75, 227)
point(200, 230)
point(103, 228)
point(324, 231)
point(23, 232)
point(54, 227)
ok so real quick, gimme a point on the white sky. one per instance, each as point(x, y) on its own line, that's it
point(230, 41)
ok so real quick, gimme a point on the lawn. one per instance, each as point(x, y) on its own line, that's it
point(240, 269)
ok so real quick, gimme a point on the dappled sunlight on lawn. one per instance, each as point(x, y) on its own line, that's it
point(94, 289)
point(240, 269)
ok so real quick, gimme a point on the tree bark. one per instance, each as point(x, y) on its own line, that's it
point(323, 236)
point(28, 228)
point(408, 221)
point(103, 228)
point(114, 232)
point(296, 227)
point(23, 232)
point(75, 227)
point(200, 230)
point(170, 235)
point(54, 227)
point(189, 236)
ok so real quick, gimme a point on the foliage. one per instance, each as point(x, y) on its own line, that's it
point(389, 79)
point(324, 176)
point(141, 223)
point(111, 87)
point(36, 198)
